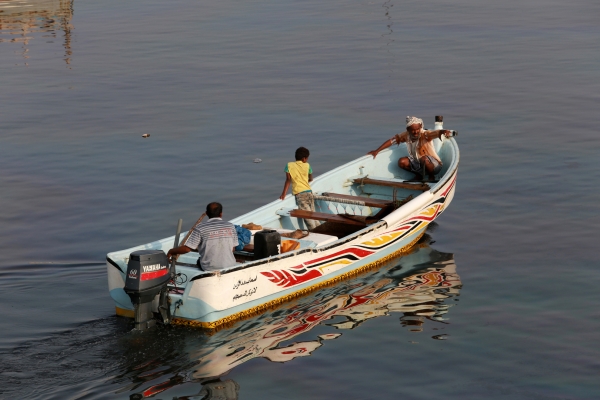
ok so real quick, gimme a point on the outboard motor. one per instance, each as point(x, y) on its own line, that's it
point(147, 275)
point(266, 243)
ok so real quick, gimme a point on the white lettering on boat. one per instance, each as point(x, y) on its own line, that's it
point(153, 267)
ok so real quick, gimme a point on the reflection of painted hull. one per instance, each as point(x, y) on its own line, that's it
point(420, 285)
point(425, 280)
point(210, 299)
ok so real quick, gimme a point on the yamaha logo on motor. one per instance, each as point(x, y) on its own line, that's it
point(152, 268)
point(133, 274)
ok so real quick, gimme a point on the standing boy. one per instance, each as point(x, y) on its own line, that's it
point(299, 173)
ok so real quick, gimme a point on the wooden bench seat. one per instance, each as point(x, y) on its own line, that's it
point(325, 217)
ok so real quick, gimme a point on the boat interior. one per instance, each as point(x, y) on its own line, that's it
point(339, 214)
point(347, 200)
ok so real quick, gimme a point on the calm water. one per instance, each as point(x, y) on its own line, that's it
point(218, 84)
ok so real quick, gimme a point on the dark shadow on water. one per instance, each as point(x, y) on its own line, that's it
point(121, 363)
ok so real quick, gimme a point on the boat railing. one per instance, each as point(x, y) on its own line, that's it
point(365, 185)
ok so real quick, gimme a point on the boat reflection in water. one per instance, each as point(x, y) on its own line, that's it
point(20, 20)
point(417, 286)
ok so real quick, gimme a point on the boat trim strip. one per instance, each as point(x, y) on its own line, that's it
point(114, 264)
point(231, 319)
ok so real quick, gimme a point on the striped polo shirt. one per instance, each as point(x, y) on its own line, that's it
point(215, 240)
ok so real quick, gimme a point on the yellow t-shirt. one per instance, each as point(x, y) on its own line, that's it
point(299, 172)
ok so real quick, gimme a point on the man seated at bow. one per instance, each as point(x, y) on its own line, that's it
point(422, 158)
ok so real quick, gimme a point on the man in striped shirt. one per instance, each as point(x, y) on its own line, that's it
point(215, 240)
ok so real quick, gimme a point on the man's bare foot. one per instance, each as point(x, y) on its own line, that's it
point(416, 178)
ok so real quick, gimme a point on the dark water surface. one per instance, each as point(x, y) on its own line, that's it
point(218, 84)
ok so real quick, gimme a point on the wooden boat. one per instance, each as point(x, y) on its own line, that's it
point(370, 213)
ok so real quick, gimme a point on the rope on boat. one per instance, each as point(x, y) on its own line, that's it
point(338, 200)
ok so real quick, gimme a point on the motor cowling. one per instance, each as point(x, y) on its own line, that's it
point(147, 276)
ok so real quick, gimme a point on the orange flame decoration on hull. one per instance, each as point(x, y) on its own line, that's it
point(367, 301)
point(315, 268)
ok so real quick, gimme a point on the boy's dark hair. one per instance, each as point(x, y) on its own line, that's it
point(214, 209)
point(302, 152)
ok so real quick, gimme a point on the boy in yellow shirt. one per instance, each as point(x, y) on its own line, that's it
point(299, 174)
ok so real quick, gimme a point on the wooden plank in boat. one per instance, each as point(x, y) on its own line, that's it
point(392, 183)
point(325, 217)
point(370, 202)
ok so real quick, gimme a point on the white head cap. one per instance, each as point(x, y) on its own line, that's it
point(413, 120)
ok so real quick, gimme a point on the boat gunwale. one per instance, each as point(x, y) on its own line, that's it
point(114, 264)
point(451, 169)
point(379, 224)
point(383, 223)
point(208, 274)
